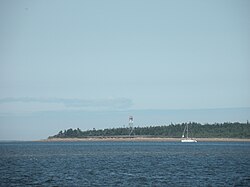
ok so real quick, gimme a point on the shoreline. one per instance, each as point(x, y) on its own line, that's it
point(140, 139)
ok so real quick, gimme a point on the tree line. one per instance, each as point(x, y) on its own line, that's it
point(197, 130)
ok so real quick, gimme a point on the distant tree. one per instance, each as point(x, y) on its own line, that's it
point(217, 130)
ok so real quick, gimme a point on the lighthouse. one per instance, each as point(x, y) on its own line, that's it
point(131, 125)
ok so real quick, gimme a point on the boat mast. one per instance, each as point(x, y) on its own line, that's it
point(187, 131)
point(184, 131)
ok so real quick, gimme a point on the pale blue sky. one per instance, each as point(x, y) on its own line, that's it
point(60, 57)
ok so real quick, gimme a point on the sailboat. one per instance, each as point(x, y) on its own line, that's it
point(187, 139)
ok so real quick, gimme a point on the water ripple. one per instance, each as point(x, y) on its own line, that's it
point(124, 164)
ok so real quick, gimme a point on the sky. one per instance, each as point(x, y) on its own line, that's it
point(91, 64)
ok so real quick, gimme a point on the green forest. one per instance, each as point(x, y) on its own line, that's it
point(197, 130)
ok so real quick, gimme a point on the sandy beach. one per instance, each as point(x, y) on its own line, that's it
point(141, 139)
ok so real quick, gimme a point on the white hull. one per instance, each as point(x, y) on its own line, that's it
point(188, 140)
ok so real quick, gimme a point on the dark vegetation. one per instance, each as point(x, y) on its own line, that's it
point(197, 130)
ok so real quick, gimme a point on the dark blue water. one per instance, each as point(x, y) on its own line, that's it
point(124, 164)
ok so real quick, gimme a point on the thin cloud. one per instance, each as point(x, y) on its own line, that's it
point(114, 103)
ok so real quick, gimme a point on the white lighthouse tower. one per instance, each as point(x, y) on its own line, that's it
point(131, 125)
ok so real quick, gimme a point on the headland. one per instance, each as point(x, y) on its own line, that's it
point(141, 139)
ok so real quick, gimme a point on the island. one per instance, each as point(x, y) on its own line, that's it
point(226, 131)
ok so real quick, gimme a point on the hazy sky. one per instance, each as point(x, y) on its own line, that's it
point(63, 57)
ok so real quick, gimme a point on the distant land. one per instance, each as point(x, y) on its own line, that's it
point(47, 123)
point(216, 131)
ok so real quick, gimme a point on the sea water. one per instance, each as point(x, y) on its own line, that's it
point(124, 164)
